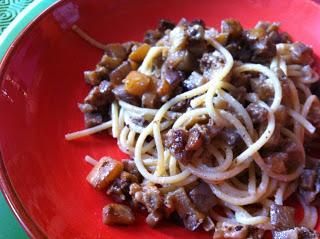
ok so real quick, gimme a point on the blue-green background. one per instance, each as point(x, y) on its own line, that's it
point(9, 226)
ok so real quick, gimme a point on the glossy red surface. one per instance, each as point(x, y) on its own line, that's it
point(41, 82)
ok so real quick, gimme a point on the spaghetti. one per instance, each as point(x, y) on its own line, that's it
point(247, 148)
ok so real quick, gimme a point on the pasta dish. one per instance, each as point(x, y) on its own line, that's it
point(216, 123)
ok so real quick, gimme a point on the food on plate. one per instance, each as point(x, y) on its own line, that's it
point(216, 124)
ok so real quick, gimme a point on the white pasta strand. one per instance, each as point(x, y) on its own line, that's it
point(306, 90)
point(89, 131)
point(280, 193)
point(243, 217)
point(131, 138)
point(115, 119)
point(90, 160)
point(310, 217)
point(216, 79)
point(307, 105)
point(262, 189)
point(157, 137)
point(121, 119)
point(283, 66)
point(302, 120)
point(122, 141)
point(146, 66)
point(145, 111)
point(252, 180)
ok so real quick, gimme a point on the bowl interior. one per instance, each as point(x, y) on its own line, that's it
point(42, 81)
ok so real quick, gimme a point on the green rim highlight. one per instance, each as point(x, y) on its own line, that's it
point(20, 22)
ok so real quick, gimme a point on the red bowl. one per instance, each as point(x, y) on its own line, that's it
point(42, 175)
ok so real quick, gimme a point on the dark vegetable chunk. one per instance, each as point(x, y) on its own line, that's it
point(165, 25)
point(308, 179)
point(309, 187)
point(230, 231)
point(194, 80)
point(287, 234)
point(104, 172)
point(305, 233)
point(175, 141)
point(211, 62)
point(282, 217)
point(181, 106)
point(208, 224)
point(294, 152)
point(278, 162)
point(87, 108)
point(263, 51)
point(275, 138)
point(272, 31)
point(258, 113)
point(202, 197)
point(117, 214)
point(119, 189)
point(152, 36)
point(150, 100)
point(100, 95)
point(232, 27)
point(195, 32)
point(149, 197)
point(231, 137)
point(213, 130)
point(95, 77)
point(154, 218)
point(152, 199)
point(117, 75)
point(182, 60)
point(296, 233)
point(195, 139)
point(121, 94)
point(92, 119)
point(182, 143)
point(261, 87)
point(130, 167)
point(239, 94)
point(116, 50)
point(256, 233)
point(191, 217)
point(301, 54)
point(173, 77)
point(114, 55)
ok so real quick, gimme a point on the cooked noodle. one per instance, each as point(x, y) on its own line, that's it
point(262, 185)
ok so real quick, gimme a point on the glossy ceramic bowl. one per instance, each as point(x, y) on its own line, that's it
point(42, 175)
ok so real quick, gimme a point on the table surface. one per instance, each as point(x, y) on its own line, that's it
point(9, 226)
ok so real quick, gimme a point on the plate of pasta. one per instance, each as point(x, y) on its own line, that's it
point(201, 123)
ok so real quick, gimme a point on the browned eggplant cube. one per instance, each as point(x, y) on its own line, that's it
point(117, 214)
point(104, 172)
